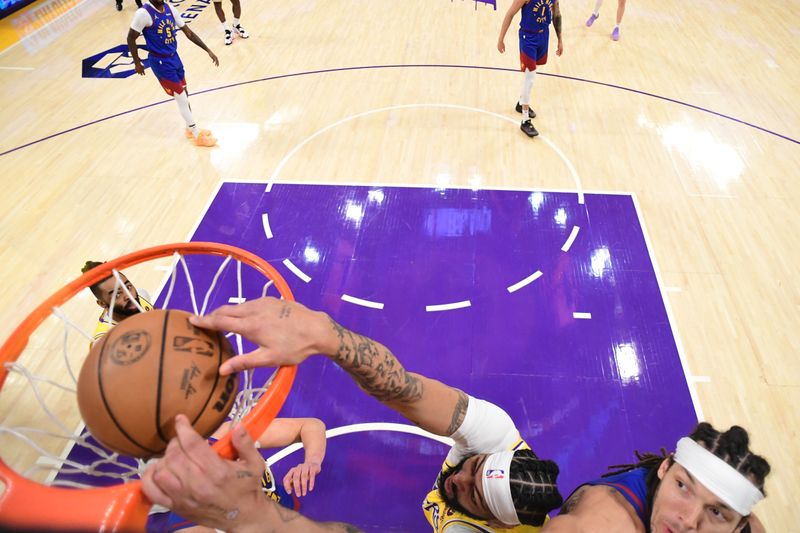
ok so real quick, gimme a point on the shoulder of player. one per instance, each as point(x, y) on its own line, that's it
point(601, 506)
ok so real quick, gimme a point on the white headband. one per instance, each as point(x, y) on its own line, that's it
point(497, 487)
point(718, 476)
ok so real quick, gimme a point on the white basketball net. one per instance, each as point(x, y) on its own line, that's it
point(50, 463)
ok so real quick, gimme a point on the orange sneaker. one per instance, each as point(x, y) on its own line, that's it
point(190, 135)
point(205, 139)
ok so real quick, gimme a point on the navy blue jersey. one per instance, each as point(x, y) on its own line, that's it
point(536, 15)
point(162, 35)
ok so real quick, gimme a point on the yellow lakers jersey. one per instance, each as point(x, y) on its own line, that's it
point(105, 323)
point(440, 515)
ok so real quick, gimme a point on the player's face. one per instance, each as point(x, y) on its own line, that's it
point(462, 488)
point(123, 305)
point(682, 503)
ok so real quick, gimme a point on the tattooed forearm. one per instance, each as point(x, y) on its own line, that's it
point(228, 514)
point(375, 368)
point(459, 413)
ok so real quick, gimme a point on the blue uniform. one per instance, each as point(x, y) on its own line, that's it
point(162, 43)
point(633, 488)
point(534, 33)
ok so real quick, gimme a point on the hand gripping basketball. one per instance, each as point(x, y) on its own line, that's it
point(287, 333)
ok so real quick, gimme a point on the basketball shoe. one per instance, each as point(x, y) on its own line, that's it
point(591, 19)
point(204, 137)
point(531, 112)
point(241, 31)
point(528, 129)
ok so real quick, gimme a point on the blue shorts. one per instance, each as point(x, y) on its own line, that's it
point(533, 48)
point(169, 71)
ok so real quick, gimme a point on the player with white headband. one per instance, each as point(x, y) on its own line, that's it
point(709, 484)
point(490, 480)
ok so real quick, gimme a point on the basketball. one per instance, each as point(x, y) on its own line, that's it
point(147, 369)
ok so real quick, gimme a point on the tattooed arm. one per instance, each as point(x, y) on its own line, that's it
point(288, 333)
point(428, 403)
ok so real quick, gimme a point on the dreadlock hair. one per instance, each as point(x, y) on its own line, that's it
point(96, 287)
point(732, 446)
point(533, 487)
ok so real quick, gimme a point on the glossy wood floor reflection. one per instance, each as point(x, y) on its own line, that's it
point(694, 111)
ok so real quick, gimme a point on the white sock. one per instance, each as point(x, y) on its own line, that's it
point(597, 6)
point(235, 22)
point(182, 99)
point(527, 86)
point(526, 115)
point(226, 26)
point(617, 26)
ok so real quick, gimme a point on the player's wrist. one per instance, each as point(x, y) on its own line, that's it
point(325, 335)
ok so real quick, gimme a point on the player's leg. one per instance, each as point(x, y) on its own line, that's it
point(225, 26)
point(170, 74)
point(620, 13)
point(532, 52)
point(524, 102)
point(237, 13)
point(595, 13)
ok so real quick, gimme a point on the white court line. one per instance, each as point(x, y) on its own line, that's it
point(530, 279)
point(27, 69)
point(422, 185)
point(448, 307)
point(701, 379)
point(236, 300)
point(362, 302)
point(574, 173)
point(297, 272)
point(360, 428)
point(698, 410)
point(571, 238)
point(582, 316)
point(265, 223)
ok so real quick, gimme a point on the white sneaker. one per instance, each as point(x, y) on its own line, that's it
point(228, 37)
point(241, 31)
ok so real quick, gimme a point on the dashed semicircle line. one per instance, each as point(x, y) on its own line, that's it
point(362, 302)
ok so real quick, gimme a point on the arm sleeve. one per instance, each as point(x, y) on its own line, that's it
point(486, 429)
point(177, 14)
point(141, 20)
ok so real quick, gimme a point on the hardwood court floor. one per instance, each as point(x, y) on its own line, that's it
point(694, 111)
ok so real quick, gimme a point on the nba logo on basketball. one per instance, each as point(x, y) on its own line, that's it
point(495, 474)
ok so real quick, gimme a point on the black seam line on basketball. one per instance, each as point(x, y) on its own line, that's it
point(216, 379)
point(105, 402)
point(161, 379)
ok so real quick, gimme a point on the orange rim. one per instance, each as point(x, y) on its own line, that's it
point(25, 503)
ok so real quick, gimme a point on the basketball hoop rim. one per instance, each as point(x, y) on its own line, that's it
point(123, 507)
